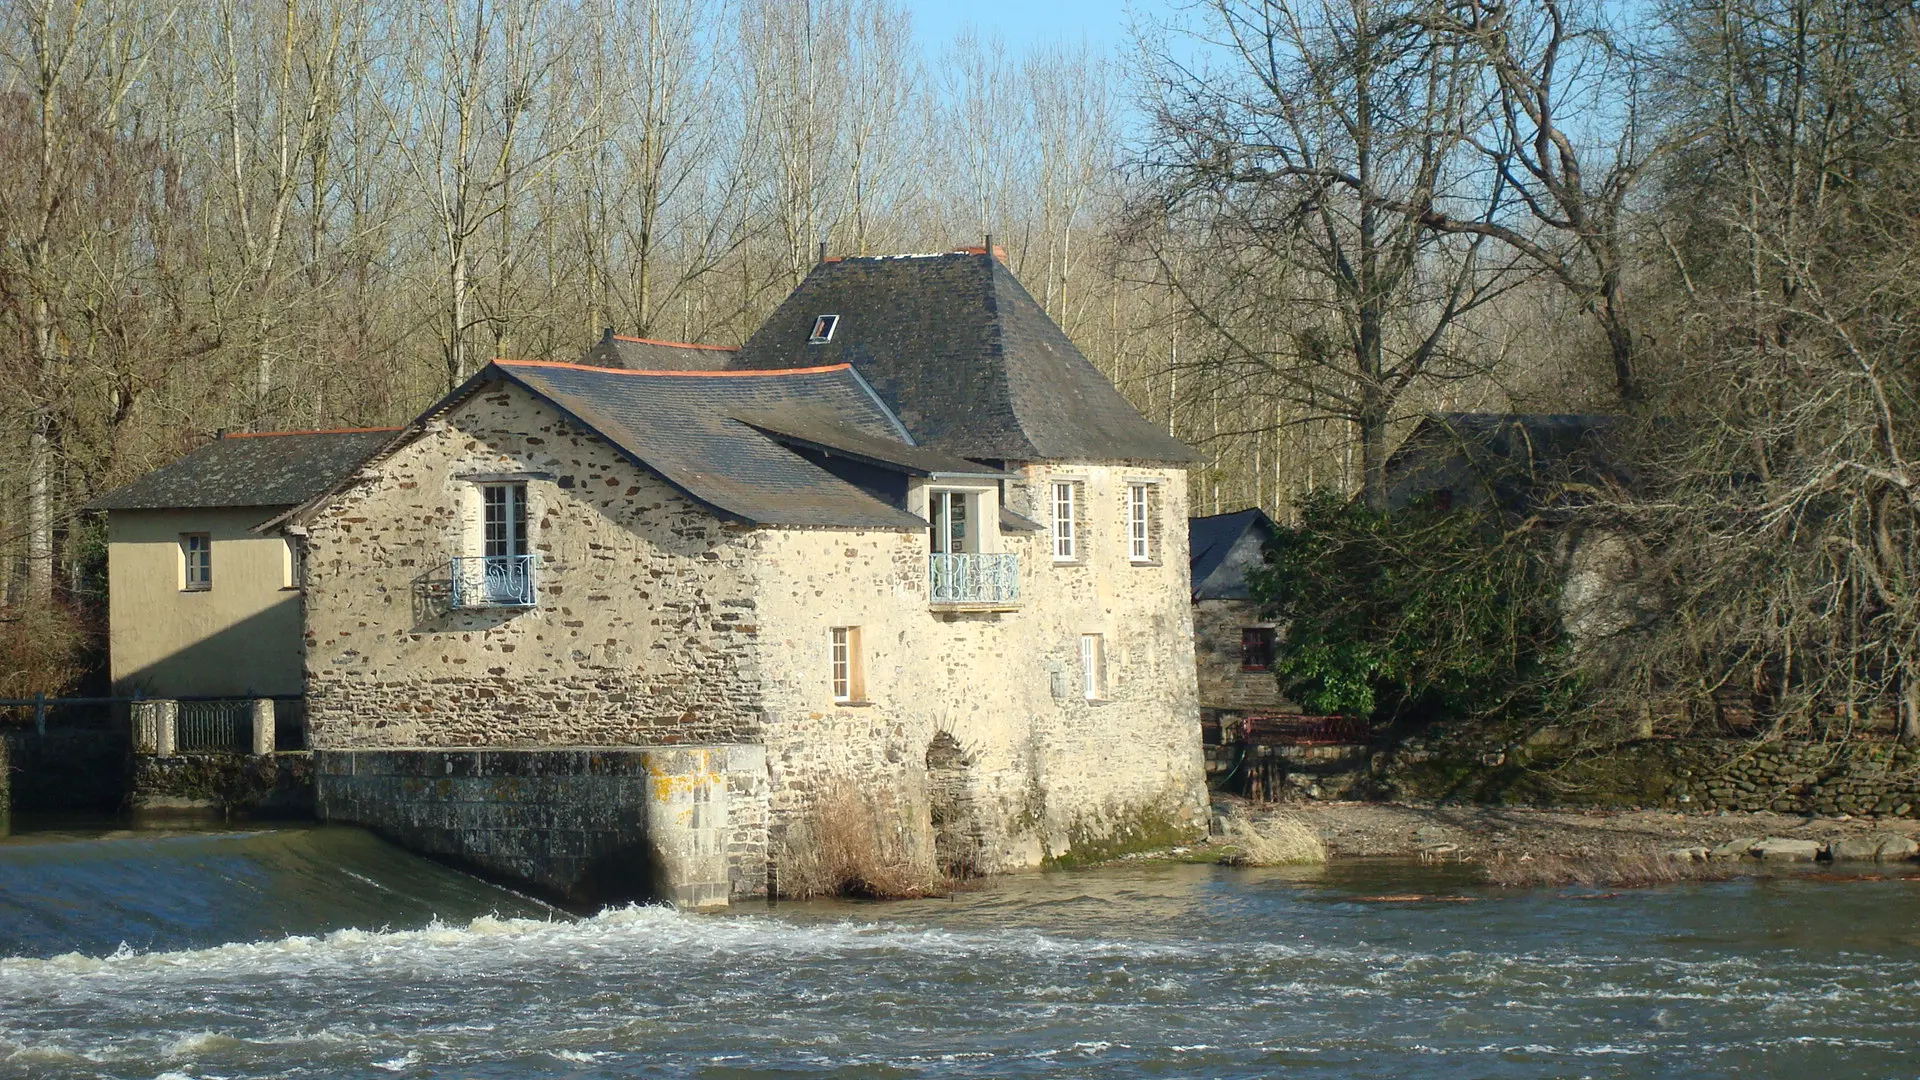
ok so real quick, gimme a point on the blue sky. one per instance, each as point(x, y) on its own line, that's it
point(1101, 23)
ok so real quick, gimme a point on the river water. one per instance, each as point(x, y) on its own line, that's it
point(322, 952)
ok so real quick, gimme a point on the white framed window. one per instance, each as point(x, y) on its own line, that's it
point(503, 520)
point(1066, 521)
point(823, 328)
point(951, 513)
point(196, 562)
point(844, 658)
point(1093, 664)
point(1140, 523)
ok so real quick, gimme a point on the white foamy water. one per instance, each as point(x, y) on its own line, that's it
point(1142, 971)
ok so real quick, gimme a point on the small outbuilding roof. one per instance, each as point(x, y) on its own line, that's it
point(647, 354)
point(263, 469)
point(1514, 460)
point(1223, 548)
point(963, 354)
point(682, 426)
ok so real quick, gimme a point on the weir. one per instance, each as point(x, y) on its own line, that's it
point(584, 825)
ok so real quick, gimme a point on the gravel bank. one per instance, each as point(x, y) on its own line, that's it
point(1475, 832)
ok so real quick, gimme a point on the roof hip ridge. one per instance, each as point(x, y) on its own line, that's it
point(675, 344)
point(731, 373)
point(313, 431)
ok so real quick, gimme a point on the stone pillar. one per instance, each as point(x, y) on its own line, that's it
point(262, 726)
point(146, 727)
point(687, 825)
point(166, 727)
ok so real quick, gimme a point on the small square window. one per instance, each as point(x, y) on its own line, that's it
point(823, 328)
point(1256, 648)
point(196, 558)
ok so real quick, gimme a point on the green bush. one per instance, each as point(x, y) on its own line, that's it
point(1427, 612)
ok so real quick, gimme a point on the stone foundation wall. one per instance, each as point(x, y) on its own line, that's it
point(226, 785)
point(584, 825)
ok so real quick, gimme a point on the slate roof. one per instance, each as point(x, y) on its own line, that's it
point(646, 354)
point(1222, 548)
point(681, 426)
point(251, 470)
point(826, 434)
point(1504, 457)
point(965, 357)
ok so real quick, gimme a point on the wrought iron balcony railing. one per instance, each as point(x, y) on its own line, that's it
point(481, 581)
point(974, 578)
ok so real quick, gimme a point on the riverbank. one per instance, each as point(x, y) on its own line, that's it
point(1477, 833)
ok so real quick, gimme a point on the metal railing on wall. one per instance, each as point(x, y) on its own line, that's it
point(973, 578)
point(214, 727)
point(167, 726)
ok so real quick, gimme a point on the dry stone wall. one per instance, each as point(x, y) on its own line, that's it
point(1859, 777)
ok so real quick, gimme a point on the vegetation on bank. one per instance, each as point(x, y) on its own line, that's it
point(1427, 612)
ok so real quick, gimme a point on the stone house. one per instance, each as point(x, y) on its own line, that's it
point(906, 543)
point(1234, 641)
point(199, 603)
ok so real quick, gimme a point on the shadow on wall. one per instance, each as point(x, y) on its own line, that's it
point(263, 655)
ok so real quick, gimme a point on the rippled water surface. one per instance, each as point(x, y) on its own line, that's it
point(324, 953)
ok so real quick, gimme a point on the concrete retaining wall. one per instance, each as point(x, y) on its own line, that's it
point(685, 824)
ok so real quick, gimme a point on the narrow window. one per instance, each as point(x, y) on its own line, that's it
point(293, 564)
point(1066, 545)
point(848, 681)
point(823, 328)
point(1092, 666)
point(1256, 648)
point(196, 556)
point(1140, 522)
point(505, 521)
point(949, 513)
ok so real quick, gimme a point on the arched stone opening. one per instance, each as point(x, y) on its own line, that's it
point(957, 846)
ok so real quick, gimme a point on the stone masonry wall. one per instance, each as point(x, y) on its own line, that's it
point(1223, 683)
point(644, 629)
point(590, 826)
point(1049, 773)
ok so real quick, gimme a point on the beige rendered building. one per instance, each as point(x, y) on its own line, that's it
point(906, 543)
point(199, 604)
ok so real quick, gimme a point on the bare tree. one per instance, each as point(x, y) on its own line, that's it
point(1309, 168)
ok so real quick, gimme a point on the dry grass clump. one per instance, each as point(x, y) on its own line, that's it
point(1277, 841)
point(43, 650)
point(1598, 871)
point(855, 845)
